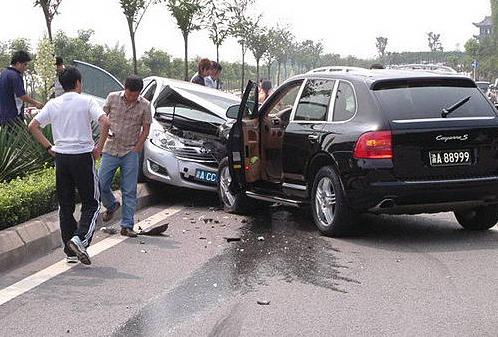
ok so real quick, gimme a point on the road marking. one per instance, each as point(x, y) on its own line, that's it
point(60, 267)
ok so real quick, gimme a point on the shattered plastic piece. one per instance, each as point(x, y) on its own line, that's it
point(109, 230)
point(143, 251)
point(141, 242)
point(263, 302)
point(261, 238)
point(207, 220)
point(202, 238)
point(215, 285)
point(242, 250)
point(232, 239)
point(216, 222)
point(184, 231)
point(155, 231)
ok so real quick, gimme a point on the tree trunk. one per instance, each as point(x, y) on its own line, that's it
point(48, 19)
point(49, 29)
point(217, 54)
point(185, 38)
point(278, 73)
point(134, 50)
point(285, 70)
point(243, 69)
point(269, 71)
point(257, 71)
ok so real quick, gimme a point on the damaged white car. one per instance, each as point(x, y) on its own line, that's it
point(186, 141)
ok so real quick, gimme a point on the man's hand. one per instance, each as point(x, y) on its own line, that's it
point(138, 148)
point(97, 152)
point(52, 153)
point(39, 105)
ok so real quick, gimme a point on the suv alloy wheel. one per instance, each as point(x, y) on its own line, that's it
point(331, 213)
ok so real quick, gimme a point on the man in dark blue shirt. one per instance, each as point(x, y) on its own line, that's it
point(12, 92)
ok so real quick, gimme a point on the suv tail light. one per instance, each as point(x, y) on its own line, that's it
point(374, 145)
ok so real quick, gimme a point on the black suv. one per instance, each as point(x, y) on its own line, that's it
point(380, 141)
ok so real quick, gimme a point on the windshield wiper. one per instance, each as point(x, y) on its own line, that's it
point(446, 112)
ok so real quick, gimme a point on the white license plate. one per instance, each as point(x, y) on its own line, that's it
point(450, 157)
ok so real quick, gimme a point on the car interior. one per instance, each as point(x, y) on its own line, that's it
point(263, 148)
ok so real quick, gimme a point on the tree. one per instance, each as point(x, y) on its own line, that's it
point(434, 42)
point(258, 43)
point(217, 24)
point(283, 41)
point(156, 62)
point(188, 16)
point(134, 11)
point(240, 29)
point(494, 17)
point(271, 51)
point(50, 10)
point(44, 67)
point(381, 46)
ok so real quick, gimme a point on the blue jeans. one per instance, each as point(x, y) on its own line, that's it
point(128, 165)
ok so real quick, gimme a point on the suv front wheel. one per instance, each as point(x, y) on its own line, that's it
point(332, 215)
point(478, 219)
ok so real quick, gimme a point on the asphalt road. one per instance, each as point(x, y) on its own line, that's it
point(397, 276)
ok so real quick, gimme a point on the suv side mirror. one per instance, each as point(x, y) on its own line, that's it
point(233, 111)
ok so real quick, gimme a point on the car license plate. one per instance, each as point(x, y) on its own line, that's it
point(206, 176)
point(450, 157)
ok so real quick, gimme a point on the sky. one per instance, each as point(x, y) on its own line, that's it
point(345, 27)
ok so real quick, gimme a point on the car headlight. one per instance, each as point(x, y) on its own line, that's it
point(165, 140)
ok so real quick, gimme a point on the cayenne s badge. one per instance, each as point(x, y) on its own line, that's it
point(445, 139)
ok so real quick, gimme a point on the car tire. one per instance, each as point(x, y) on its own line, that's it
point(236, 204)
point(332, 215)
point(478, 219)
point(141, 176)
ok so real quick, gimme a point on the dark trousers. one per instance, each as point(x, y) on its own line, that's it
point(76, 172)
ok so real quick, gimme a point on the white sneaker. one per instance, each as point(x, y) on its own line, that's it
point(79, 249)
point(71, 259)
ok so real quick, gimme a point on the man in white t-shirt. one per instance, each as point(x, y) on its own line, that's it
point(71, 116)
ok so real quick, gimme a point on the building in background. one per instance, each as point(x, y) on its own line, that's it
point(485, 28)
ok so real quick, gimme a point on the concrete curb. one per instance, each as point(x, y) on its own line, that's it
point(32, 239)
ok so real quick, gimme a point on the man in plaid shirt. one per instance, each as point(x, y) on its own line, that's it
point(130, 118)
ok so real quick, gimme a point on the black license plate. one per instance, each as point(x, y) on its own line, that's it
point(450, 158)
point(206, 176)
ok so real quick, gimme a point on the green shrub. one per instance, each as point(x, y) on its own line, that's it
point(23, 199)
point(26, 198)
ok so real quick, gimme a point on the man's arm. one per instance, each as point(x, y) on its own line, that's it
point(35, 129)
point(31, 101)
point(142, 138)
point(104, 131)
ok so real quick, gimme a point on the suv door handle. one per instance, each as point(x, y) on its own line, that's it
point(313, 137)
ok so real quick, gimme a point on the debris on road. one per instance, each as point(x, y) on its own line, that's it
point(263, 302)
point(232, 239)
point(109, 230)
point(143, 251)
point(202, 238)
point(243, 221)
point(155, 231)
point(261, 238)
point(141, 242)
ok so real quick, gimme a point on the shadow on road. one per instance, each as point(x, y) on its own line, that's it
point(428, 233)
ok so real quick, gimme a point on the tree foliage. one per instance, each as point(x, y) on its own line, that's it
point(381, 46)
point(45, 67)
point(434, 42)
point(134, 11)
point(50, 10)
point(188, 16)
point(217, 23)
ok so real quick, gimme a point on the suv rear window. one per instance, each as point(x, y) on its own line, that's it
point(420, 100)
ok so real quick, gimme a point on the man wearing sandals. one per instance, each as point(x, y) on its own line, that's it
point(130, 118)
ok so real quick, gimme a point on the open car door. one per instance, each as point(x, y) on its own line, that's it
point(243, 142)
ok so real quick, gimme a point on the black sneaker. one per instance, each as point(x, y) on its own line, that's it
point(79, 249)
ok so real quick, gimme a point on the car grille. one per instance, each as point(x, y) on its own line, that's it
point(194, 154)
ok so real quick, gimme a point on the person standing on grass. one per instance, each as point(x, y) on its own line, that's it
point(130, 118)
point(71, 117)
point(12, 92)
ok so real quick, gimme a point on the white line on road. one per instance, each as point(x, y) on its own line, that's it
point(58, 268)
